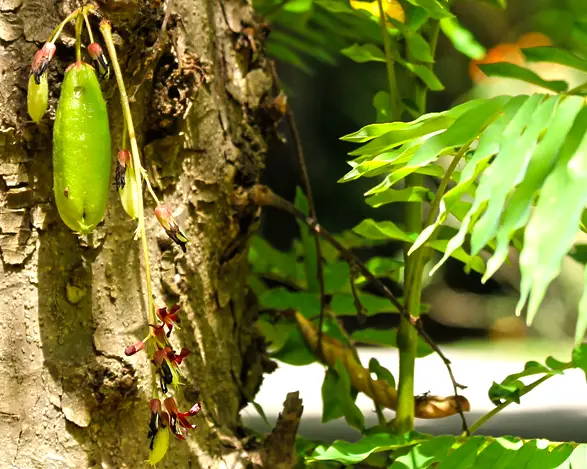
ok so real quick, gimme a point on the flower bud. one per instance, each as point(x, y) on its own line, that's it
point(97, 55)
point(41, 60)
point(122, 160)
point(37, 97)
point(132, 349)
point(170, 226)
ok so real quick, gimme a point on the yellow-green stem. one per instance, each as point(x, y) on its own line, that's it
point(78, 38)
point(389, 62)
point(87, 20)
point(106, 31)
point(407, 339)
point(57, 31)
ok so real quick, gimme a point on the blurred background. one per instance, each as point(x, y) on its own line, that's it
point(332, 100)
point(474, 321)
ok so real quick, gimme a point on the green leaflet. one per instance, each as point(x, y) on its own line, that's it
point(464, 130)
point(364, 53)
point(507, 170)
point(383, 137)
point(338, 398)
point(483, 194)
point(553, 224)
point(518, 208)
point(410, 194)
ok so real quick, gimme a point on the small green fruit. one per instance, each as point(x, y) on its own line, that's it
point(37, 97)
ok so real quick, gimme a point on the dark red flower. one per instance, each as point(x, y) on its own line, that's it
point(169, 318)
point(177, 359)
point(178, 420)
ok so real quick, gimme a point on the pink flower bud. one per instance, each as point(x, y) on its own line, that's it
point(97, 55)
point(41, 60)
point(132, 349)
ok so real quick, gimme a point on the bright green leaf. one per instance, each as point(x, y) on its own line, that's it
point(381, 372)
point(411, 194)
point(425, 454)
point(364, 53)
point(434, 8)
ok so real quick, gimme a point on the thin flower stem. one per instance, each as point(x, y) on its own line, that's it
point(87, 20)
point(106, 30)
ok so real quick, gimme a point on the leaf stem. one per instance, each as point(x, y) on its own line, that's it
point(390, 64)
point(106, 30)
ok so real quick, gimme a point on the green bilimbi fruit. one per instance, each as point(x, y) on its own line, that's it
point(37, 98)
point(81, 150)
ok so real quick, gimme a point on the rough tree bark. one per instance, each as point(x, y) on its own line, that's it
point(69, 398)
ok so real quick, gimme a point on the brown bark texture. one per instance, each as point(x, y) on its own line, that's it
point(69, 398)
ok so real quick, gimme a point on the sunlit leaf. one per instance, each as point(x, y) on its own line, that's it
point(518, 209)
point(513, 130)
point(555, 55)
point(509, 70)
point(462, 38)
point(508, 168)
point(553, 225)
point(464, 456)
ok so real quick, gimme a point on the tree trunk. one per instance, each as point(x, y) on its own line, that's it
point(69, 398)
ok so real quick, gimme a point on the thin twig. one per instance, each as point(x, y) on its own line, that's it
point(312, 208)
point(263, 196)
